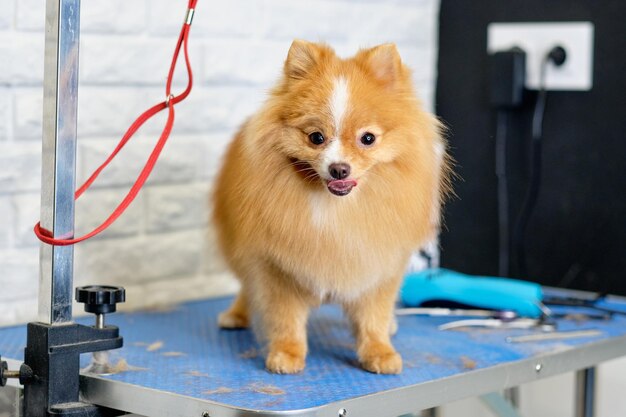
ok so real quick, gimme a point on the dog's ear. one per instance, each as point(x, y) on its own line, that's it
point(301, 59)
point(383, 62)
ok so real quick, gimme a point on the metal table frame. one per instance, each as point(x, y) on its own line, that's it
point(398, 402)
point(389, 403)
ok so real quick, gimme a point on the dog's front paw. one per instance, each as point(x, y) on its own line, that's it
point(231, 320)
point(282, 362)
point(385, 362)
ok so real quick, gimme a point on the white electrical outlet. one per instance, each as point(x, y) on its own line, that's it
point(536, 39)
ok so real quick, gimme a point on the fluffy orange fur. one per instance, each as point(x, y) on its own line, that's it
point(290, 241)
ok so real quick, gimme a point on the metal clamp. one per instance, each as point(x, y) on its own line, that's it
point(189, 17)
point(167, 100)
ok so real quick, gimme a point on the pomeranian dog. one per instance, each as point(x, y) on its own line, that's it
point(322, 197)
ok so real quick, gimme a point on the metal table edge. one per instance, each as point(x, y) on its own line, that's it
point(395, 402)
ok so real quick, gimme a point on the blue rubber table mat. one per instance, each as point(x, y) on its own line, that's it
point(183, 351)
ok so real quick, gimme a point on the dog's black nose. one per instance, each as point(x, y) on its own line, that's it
point(339, 171)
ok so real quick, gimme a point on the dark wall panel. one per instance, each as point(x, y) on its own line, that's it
point(577, 233)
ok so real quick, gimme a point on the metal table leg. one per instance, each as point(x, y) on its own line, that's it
point(499, 405)
point(431, 412)
point(584, 396)
point(512, 396)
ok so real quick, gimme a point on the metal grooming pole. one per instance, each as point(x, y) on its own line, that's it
point(51, 369)
point(58, 180)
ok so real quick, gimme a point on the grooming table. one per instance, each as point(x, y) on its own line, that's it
point(177, 363)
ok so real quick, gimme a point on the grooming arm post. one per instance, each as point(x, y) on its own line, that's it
point(59, 158)
point(51, 369)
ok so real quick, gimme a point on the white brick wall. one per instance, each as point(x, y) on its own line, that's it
point(163, 242)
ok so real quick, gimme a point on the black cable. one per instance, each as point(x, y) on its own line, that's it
point(519, 235)
point(503, 195)
point(506, 93)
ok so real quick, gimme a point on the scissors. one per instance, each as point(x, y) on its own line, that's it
point(496, 323)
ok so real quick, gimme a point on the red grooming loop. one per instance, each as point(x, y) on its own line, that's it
point(45, 235)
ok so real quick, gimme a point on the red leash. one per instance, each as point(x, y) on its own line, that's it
point(45, 235)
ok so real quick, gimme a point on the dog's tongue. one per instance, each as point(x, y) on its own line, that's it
point(341, 187)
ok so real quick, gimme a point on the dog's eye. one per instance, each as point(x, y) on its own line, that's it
point(368, 139)
point(316, 138)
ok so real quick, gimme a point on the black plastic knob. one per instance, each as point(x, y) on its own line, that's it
point(3, 369)
point(100, 299)
point(25, 374)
